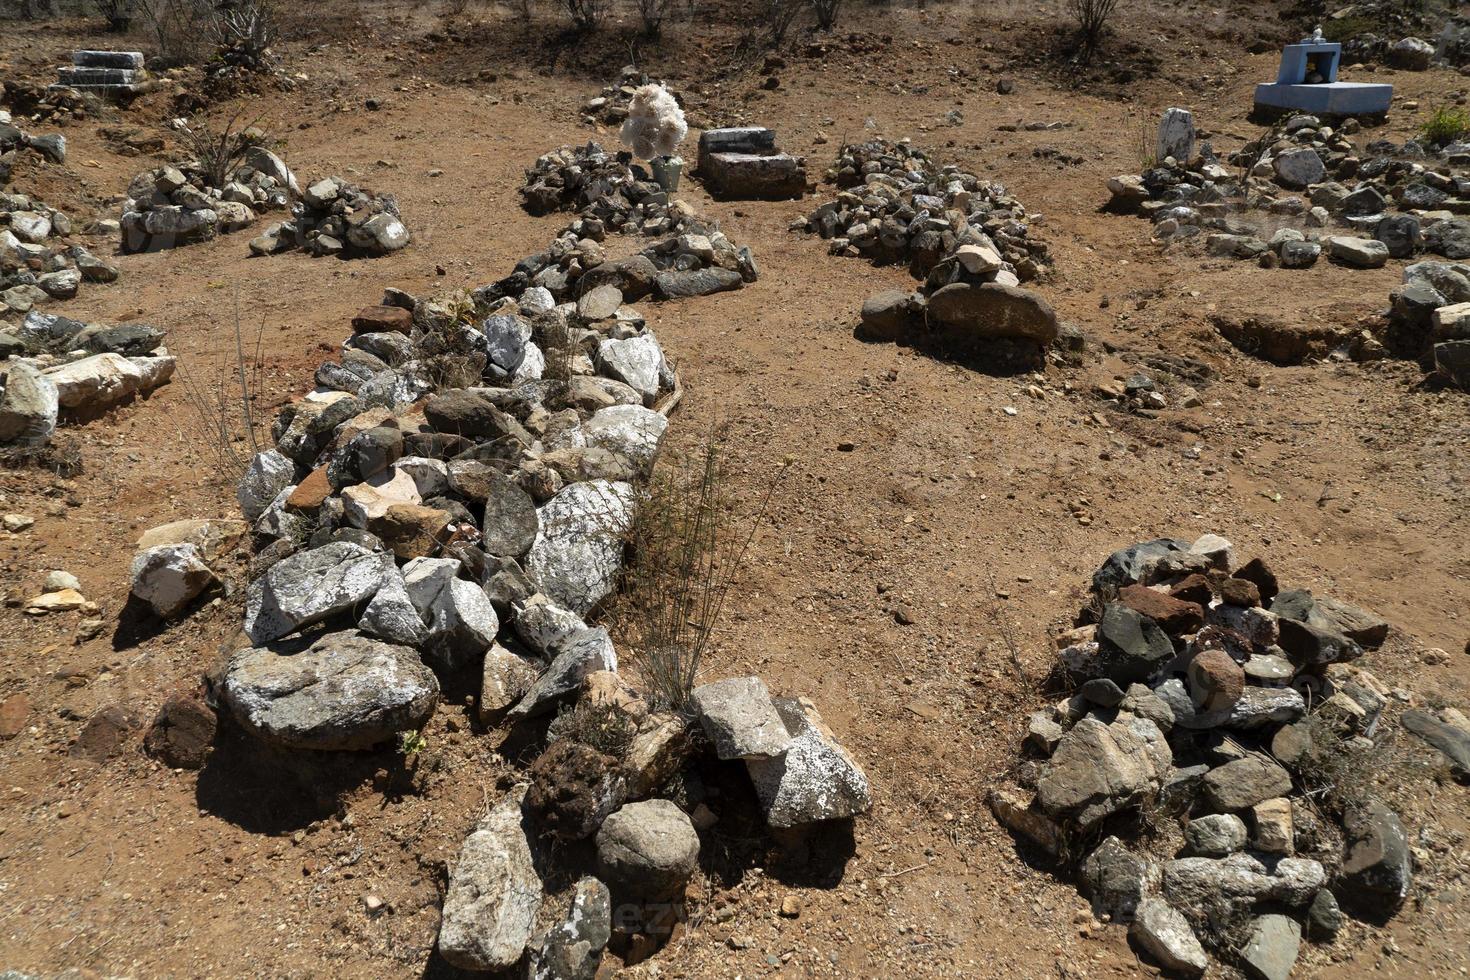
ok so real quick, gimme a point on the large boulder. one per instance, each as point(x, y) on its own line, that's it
point(95, 383)
point(28, 406)
point(345, 691)
point(310, 586)
point(494, 892)
point(962, 312)
point(1099, 769)
point(815, 779)
point(578, 548)
point(647, 851)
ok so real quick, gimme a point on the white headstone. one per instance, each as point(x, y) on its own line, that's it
point(1176, 136)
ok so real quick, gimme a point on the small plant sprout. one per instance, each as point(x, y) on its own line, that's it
point(411, 744)
point(653, 131)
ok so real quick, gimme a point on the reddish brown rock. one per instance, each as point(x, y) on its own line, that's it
point(383, 319)
point(13, 715)
point(1175, 616)
point(1239, 592)
point(1216, 681)
point(311, 492)
point(104, 734)
point(1193, 588)
point(183, 732)
point(1257, 571)
point(411, 530)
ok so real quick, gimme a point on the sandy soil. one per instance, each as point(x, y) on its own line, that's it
point(1351, 478)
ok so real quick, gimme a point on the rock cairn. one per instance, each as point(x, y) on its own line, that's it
point(898, 206)
point(968, 239)
point(454, 498)
point(1429, 320)
point(334, 217)
point(1305, 190)
point(1212, 698)
point(170, 206)
point(37, 263)
point(55, 367)
point(609, 190)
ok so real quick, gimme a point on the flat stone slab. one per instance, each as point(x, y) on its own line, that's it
point(741, 719)
point(750, 176)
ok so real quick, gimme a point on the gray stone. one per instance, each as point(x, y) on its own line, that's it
point(1362, 253)
point(1400, 234)
point(578, 550)
point(814, 780)
point(1300, 255)
point(599, 302)
point(310, 586)
point(170, 577)
point(1324, 918)
point(506, 339)
point(696, 282)
point(1117, 880)
point(505, 677)
point(1101, 769)
point(1133, 647)
point(637, 362)
point(392, 616)
point(1176, 136)
point(1243, 783)
point(631, 431)
point(572, 949)
point(583, 652)
point(1377, 868)
point(386, 233)
point(1215, 835)
point(494, 892)
point(1133, 564)
point(890, 314)
point(1298, 169)
point(1237, 883)
point(267, 474)
point(1453, 742)
point(647, 851)
point(543, 625)
point(1166, 935)
point(511, 521)
point(740, 717)
point(990, 311)
point(1271, 951)
point(343, 692)
point(461, 621)
point(1452, 359)
point(28, 406)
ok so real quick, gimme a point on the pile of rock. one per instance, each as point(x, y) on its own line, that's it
point(1429, 320)
point(1211, 697)
point(454, 498)
point(898, 206)
point(13, 139)
point(1269, 202)
point(37, 264)
point(697, 262)
point(56, 367)
point(609, 190)
point(334, 217)
point(170, 206)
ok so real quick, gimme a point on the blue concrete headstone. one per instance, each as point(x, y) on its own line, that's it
point(1307, 82)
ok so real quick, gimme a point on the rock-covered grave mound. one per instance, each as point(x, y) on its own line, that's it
point(170, 206)
point(611, 192)
point(1429, 320)
point(454, 498)
point(966, 238)
point(1276, 200)
point(37, 261)
point(334, 217)
point(1199, 780)
point(53, 367)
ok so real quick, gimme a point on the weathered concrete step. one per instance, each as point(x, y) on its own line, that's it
point(736, 139)
point(748, 176)
point(109, 92)
point(107, 59)
point(69, 75)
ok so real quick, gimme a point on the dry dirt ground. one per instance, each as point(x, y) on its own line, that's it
point(982, 525)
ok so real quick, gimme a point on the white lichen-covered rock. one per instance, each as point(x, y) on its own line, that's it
point(815, 779)
point(637, 362)
point(584, 652)
point(392, 616)
point(461, 621)
point(1165, 933)
point(578, 549)
point(169, 577)
point(740, 718)
point(494, 893)
point(506, 338)
point(265, 477)
point(542, 625)
point(309, 586)
point(343, 692)
point(28, 406)
point(631, 431)
point(103, 380)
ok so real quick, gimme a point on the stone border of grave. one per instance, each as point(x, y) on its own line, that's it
point(453, 498)
point(1213, 699)
point(1280, 196)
